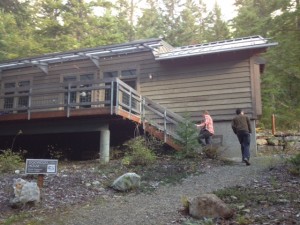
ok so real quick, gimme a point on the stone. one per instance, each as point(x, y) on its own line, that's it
point(24, 192)
point(96, 182)
point(269, 148)
point(292, 138)
point(127, 182)
point(291, 145)
point(261, 142)
point(209, 205)
point(273, 141)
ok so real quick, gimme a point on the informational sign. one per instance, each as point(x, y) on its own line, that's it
point(41, 166)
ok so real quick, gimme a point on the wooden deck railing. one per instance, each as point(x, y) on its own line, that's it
point(69, 97)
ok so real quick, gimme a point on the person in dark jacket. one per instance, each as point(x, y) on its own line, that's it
point(242, 128)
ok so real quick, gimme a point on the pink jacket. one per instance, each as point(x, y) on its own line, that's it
point(208, 124)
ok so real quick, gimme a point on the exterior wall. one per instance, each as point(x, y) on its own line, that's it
point(231, 147)
point(191, 86)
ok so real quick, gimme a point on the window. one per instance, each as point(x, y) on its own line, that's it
point(23, 100)
point(11, 100)
point(68, 80)
point(109, 74)
point(127, 76)
point(128, 73)
point(84, 96)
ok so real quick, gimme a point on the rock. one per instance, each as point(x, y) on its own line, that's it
point(24, 192)
point(209, 205)
point(293, 138)
point(96, 182)
point(127, 182)
point(273, 141)
point(261, 142)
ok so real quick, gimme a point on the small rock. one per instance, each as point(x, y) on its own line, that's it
point(209, 205)
point(126, 182)
point(233, 197)
point(96, 182)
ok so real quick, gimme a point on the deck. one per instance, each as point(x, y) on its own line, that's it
point(88, 99)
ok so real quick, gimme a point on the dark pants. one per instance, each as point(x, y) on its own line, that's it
point(244, 139)
point(204, 137)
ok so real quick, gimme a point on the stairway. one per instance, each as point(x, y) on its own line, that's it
point(157, 120)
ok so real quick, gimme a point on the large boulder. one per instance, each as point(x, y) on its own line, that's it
point(209, 205)
point(24, 192)
point(127, 182)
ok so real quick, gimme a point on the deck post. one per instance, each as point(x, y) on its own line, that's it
point(104, 146)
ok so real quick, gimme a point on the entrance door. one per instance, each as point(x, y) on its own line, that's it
point(127, 76)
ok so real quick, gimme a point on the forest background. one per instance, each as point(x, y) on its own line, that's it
point(34, 27)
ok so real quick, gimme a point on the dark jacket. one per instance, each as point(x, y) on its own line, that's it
point(241, 123)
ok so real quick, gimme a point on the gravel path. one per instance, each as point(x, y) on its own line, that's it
point(161, 207)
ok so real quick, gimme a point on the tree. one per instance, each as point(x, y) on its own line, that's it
point(216, 29)
point(279, 20)
point(188, 137)
point(150, 24)
point(191, 26)
point(281, 82)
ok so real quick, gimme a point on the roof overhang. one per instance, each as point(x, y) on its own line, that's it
point(233, 45)
point(93, 54)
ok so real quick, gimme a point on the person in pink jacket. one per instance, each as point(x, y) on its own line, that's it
point(207, 129)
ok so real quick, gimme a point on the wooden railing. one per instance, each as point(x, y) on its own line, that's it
point(112, 93)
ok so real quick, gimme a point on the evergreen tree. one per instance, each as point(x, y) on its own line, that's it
point(150, 24)
point(190, 28)
point(279, 20)
point(216, 28)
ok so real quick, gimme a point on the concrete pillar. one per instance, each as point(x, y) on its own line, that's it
point(104, 146)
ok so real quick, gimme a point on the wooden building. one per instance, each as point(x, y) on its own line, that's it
point(148, 82)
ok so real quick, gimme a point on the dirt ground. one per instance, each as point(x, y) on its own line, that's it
point(269, 195)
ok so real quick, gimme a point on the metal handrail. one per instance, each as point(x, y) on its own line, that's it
point(110, 92)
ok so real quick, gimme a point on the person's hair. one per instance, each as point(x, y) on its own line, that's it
point(238, 111)
point(205, 112)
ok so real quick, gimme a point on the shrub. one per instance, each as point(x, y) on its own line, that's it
point(212, 152)
point(294, 163)
point(138, 153)
point(9, 161)
point(188, 137)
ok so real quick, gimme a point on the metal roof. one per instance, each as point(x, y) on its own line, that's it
point(94, 54)
point(160, 49)
point(246, 43)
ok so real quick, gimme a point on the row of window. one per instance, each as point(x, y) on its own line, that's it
point(23, 87)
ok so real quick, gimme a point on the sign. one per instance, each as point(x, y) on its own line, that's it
point(41, 166)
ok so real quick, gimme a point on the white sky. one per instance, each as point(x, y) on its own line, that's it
point(227, 7)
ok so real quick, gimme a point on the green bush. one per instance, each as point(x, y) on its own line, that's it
point(188, 137)
point(9, 161)
point(138, 153)
point(294, 164)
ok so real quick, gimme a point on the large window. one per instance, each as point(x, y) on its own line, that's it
point(16, 95)
point(83, 96)
point(24, 99)
point(9, 90)
point(109, 74)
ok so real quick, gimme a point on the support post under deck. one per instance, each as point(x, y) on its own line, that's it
point(104, 146)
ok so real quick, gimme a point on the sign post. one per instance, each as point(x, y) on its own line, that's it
point(41, 167)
